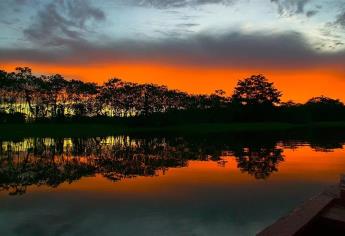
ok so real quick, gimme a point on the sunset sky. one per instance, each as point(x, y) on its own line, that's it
point(196, 46)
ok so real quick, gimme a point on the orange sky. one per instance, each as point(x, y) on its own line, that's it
point(297, 85)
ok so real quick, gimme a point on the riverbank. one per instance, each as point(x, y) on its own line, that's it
point(87, 129)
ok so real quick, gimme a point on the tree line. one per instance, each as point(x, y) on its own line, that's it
point(25, 97)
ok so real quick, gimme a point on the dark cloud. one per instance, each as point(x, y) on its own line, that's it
point(8, 8)
point(335, 29)
point(23, 2)
point(178, 3)
point(187, 25)
point(311, 13)
point(341, 20)
point(234, 50)
point(62, 21)
point(285, 7)
point(291, 7)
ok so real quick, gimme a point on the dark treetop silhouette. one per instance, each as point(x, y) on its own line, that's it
point(256, 90)
point(28, 98)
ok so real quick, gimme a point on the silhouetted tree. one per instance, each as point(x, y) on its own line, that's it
point(24, 95)
point(218, 99)
point(256, 90)
point(325, 109)
point(57, 87)
point(325, 101)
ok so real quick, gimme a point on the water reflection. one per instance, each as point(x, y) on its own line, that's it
point(259, 161)
point(53, 161)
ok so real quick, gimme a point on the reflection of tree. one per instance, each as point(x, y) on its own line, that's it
point(15, 176)
point(326, 144)
point(327, 147)
point(39, 162)
point(258, 161)
point(323, 140)
point(54, 161)
point(51, 162)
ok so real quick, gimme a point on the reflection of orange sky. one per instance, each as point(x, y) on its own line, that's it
point(306, 164)
point(302, 164)
point(298, 85)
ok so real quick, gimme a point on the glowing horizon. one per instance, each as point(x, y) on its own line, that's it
point(191, 45)
point(292, 83)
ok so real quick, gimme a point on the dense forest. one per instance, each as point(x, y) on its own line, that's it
point(25, 97)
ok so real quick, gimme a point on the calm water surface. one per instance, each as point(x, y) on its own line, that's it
point(122, 185)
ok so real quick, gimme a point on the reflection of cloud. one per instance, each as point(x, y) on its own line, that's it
point(102, 215)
